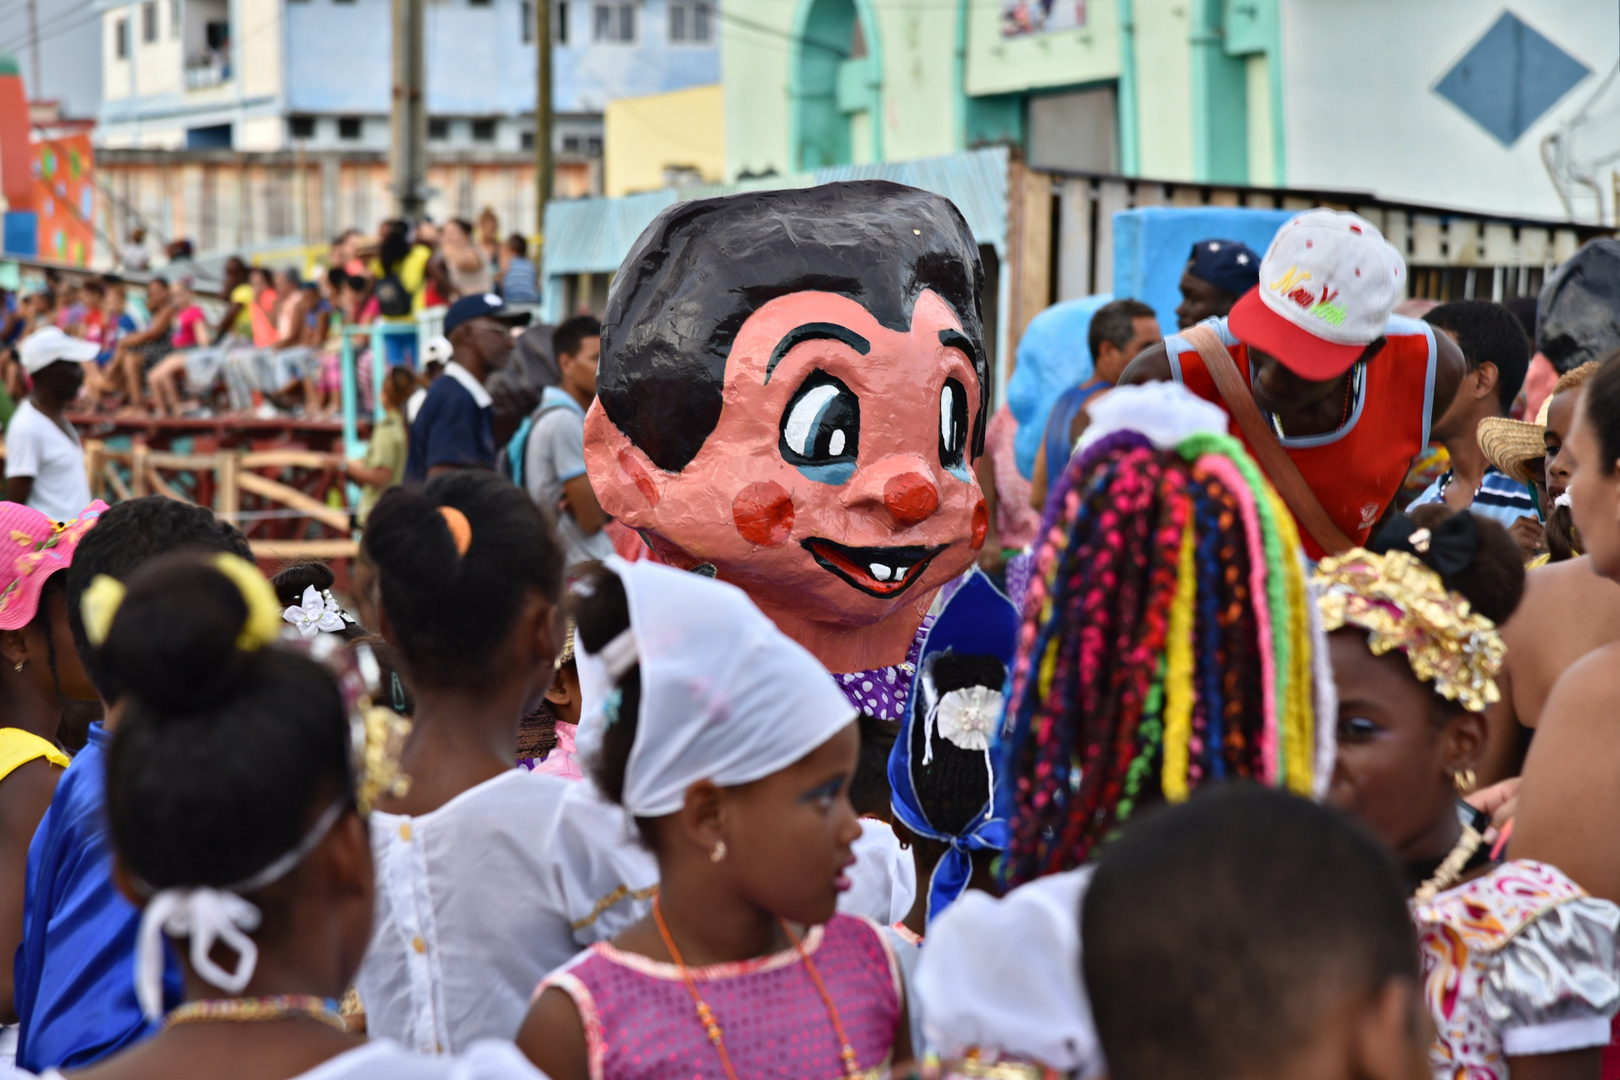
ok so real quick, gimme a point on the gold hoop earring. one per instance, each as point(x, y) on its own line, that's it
point(1464, 781)
point(719, 851)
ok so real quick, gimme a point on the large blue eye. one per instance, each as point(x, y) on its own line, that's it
point(953, 426)
point(821, 430)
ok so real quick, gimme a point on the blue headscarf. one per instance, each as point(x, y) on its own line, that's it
point(978, 620)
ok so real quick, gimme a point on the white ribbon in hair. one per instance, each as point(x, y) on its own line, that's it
point(209, 916)
point(619, 655)
point(966, 716)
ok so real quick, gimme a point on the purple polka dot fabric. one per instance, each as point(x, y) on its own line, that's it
point(882, 692)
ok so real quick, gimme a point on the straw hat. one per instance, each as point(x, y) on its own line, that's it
point(1511, 445)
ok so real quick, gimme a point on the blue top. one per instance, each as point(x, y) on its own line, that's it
point(455, 426)
point(76, 967)
point(1498, 496)
point(1064, 410)
point(519, 285)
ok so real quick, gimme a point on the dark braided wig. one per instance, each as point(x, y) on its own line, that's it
point(1148, 660)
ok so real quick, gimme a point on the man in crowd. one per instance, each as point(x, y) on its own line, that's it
point(1496, 352)
point(454, 429)
point(1217, 273)
point(44, 459)
point(518, 278)
point(1348, 390)
point(554, 455)
point(1119, 330)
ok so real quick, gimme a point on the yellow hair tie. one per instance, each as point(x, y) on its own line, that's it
point(263, 624)
point(98, 605)
point(1178, 675)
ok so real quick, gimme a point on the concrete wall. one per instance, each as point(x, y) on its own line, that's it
point(1361, 112)
point(756, 57)
point(997, 65)
point(645, 136)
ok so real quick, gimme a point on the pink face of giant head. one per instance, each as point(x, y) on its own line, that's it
point(837, 488)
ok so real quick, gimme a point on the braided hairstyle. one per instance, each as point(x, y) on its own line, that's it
point(1166, 644)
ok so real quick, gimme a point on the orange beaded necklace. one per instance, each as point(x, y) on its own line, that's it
point(711, 1026)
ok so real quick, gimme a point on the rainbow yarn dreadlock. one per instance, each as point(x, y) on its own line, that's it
point(1166, 643)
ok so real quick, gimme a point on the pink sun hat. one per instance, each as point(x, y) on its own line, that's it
point(32, 548)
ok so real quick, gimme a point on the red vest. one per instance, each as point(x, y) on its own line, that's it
point(1357, 470)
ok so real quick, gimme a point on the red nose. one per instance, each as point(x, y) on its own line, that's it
point(910, 498)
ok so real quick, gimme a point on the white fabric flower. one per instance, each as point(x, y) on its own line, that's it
point(967, 716)
point(315, 614)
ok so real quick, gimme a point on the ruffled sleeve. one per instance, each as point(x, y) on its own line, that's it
point(1556, 984)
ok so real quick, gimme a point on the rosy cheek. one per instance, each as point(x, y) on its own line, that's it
point(981, 525)
point(638, 475)
point(763, 513)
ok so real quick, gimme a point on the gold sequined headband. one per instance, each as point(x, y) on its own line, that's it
point(1402, 604)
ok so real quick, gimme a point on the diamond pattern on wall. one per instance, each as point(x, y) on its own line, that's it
point(1510, 78)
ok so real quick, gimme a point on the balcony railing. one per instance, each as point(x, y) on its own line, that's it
point(203, 72)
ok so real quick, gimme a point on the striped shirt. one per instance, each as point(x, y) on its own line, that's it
point(1499, 496)
point(518, 287)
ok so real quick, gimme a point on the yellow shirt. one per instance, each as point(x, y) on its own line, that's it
point(19, 747)
point(242, 297)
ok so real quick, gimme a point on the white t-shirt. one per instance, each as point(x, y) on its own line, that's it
point(36, 447)
point(384, 1059)
point(1004, 975)
point(883, 881)
point(480, 899)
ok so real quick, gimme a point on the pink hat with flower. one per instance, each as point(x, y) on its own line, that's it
point(32, 548)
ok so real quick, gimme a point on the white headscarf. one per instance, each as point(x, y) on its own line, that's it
point(725, 695)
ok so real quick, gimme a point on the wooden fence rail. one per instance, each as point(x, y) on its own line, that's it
point(275, 481)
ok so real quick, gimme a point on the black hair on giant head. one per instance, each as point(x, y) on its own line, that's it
point(953, 789)
point(223, 759)
point(703, 267)
point(1218, 935)
point(125, 537)
point(451, 613)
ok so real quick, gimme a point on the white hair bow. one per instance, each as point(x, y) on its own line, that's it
point(318, 611)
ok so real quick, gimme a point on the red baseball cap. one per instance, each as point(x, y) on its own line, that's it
point(32, 548)
point(1328, 285)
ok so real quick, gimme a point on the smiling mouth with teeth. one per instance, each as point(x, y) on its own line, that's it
point(877, 571)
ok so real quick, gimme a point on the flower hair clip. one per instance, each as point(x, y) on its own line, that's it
point(317, 612)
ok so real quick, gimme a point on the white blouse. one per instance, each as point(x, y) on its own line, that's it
point(383, 1059)
point(480, 899)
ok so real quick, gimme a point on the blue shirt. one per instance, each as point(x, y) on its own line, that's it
point(518, 286)
point(1498, 496)
point(1058, 444)
point(76, 967)
point(455, 426)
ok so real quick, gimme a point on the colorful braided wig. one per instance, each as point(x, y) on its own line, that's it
point(1166, 643)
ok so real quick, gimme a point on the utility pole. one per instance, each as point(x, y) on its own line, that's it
point(37, 90)
point(408, 147)
point(542, 120)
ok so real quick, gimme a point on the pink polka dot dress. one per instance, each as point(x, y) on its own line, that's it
point(641, 1024)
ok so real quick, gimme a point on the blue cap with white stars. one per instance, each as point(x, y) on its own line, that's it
point(1225, 264)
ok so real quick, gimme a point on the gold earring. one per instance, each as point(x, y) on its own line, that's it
point(1464, 781)
point(18, 666)
point(719, 851)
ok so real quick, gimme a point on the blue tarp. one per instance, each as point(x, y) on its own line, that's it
point(1151, 247)
point(1052, 356)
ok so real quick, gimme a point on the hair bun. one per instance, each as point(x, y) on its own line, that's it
point(174, 642)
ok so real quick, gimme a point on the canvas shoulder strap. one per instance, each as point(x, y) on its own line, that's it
point(1274, 460)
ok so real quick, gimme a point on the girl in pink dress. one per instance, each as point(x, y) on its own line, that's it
point(732, 749)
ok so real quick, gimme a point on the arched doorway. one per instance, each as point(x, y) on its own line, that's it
point(835, 85)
